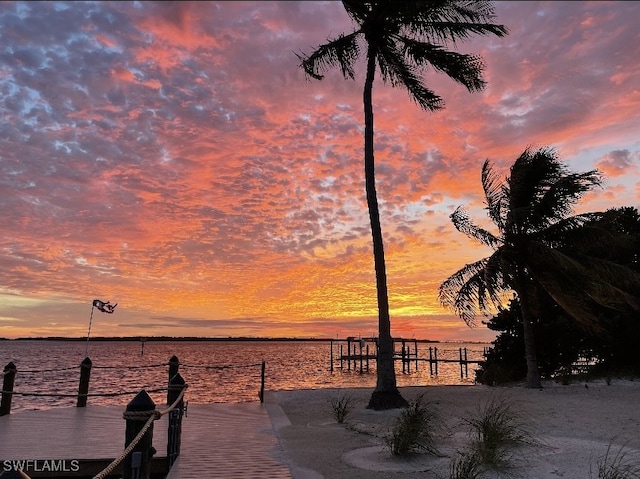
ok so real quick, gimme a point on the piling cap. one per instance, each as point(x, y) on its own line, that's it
point(10, 367)
point(142, 402)
point(11, 475)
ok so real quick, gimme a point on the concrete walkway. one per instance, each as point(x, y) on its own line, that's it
point(229, 441)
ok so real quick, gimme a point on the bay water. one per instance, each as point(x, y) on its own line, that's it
point(215, 371)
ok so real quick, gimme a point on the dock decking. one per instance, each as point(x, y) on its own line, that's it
point(218, 441)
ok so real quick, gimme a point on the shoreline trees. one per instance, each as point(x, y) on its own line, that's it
point(540, 248)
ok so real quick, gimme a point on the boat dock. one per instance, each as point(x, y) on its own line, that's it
point(218, 440)
point(139, 441)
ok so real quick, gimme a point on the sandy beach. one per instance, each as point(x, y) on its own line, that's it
point(573, 426)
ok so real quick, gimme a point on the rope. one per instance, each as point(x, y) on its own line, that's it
point(130, 367)
point(121, 393)
point(204, 366)
point(153, 415)
point(105, 472)
point(33, 371)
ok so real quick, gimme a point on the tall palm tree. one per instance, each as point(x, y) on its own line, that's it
point(532, 210)
point(401, 39)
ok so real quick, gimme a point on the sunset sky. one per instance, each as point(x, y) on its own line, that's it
point(172, 157)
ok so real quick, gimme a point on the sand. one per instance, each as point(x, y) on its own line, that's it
point(573, 427)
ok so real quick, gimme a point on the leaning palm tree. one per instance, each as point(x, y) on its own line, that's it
point(401, 39)
point(532, 210)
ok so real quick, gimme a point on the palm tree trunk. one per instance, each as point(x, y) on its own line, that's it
point(386, 394)
point(533, 374)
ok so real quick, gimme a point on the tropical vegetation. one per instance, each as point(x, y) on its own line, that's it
point(610, 349)
point(400, 40)
point(543, 253)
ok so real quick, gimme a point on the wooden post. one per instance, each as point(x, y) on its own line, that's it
point(83, 387)
point(7, 388)
point(367, 358)
point(403, 353)
point(435, 355)
point(466, 364)
point(354, 357)
point(430, 360)
point(361, 343)
point(174, 435)
point(415, 348)
point(139, 405)
point(348, 354)
point(262, 382)
point(341, 358)
point(331, 357)
point(174, 365)
point(461, 363)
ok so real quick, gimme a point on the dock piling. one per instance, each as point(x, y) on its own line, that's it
point(8, 381)
point(83, 386)
point(174, 435)
point(137, 414)
point(262, 381)
point(174, 366)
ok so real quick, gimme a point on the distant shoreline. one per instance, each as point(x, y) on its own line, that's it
point(197, 338)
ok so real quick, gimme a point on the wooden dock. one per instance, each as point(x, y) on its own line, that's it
point(355, 354)
point(218, 440)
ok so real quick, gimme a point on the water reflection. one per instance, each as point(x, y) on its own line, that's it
point(216, 371)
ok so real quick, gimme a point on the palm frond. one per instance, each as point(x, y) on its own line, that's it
point(493, 194)
point(557, 199)
point(463, 223)
point(357, 10)
point(342, 51)
point(531, 174)
point(450, 21)
point(473, 289)
point(394, 69)
point(462, 68)
point(581, 285)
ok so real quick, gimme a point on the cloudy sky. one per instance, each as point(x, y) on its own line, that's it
point(172, 157)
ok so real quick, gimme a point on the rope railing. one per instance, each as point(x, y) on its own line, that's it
point(144, 366)
point(75, 395)
point(53, 370)
point(211, 366)
point(139, 415)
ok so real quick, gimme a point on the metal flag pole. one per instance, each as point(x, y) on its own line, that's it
point(86, 350)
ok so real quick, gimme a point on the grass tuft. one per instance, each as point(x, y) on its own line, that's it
point(617, 466)
point(341, 406)
point(496, 430)
point(466, 465)
point(415, 429)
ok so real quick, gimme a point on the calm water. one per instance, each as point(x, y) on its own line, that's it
point(216, 371)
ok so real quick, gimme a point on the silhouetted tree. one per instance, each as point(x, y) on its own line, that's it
point(532, 212)
point(558, 342)
point(400, 39)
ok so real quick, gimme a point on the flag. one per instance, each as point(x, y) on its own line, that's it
point(105, 307)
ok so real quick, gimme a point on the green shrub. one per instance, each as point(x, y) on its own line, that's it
point(415, 429)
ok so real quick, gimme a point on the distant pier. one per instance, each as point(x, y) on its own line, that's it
point(356, 353)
